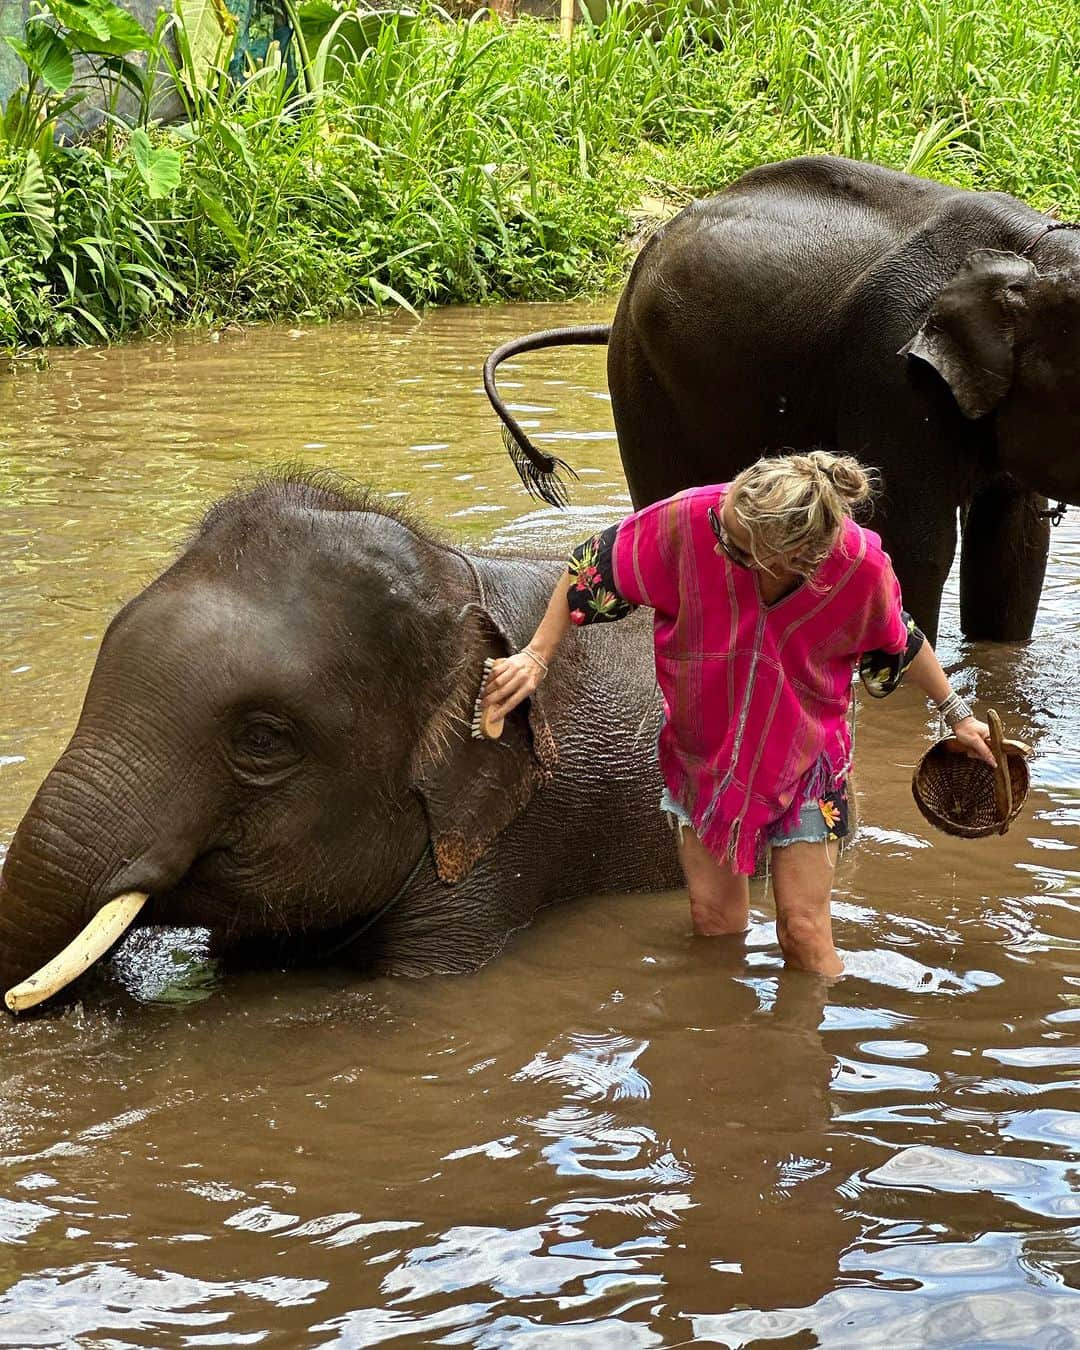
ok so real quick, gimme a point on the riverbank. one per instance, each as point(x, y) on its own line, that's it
point(462, 161)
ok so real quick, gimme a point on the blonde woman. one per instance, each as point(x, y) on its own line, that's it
point(767, 595)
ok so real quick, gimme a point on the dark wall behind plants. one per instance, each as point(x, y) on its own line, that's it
point(426, 160)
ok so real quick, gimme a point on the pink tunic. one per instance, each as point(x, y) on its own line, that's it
point(756, 696)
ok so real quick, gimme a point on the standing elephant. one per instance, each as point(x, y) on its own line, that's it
point(933, 332)
point(275, 744)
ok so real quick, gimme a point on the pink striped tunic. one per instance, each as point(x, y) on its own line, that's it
point(755, 696)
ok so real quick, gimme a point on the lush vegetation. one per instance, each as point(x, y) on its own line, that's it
point(429, 160)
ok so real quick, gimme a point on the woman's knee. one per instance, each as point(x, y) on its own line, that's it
point(714, 914)
point(803, 930)
point(719, 898)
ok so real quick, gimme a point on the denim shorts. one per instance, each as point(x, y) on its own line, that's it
point(809, 829)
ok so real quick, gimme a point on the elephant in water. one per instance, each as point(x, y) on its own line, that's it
point(930, 331)
point(275, 744)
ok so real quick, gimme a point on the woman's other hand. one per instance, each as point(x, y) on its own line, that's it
point(974, 736)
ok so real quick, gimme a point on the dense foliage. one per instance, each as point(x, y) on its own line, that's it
point(461, 160)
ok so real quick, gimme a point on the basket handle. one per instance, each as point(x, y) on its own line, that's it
point(1002, 777)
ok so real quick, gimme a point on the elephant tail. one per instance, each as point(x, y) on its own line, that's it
point(539, 472)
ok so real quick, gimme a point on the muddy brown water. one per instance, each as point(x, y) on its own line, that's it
point(614, 1135)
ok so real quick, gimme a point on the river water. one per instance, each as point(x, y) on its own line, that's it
point(614, 1135)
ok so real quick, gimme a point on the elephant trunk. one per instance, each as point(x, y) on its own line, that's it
point(80, 845)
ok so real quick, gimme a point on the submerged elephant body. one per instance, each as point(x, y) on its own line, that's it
point(275, 744)
point(931, 331)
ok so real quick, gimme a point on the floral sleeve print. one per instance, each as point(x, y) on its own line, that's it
point(881, 672)
point(592, 596)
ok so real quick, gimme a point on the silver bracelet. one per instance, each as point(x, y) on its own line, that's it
point(953, 709)
point(528, 651)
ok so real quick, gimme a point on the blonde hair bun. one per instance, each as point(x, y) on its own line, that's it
point(854, 483)
point(794, 505)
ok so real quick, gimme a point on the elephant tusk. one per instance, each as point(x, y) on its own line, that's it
point(106, 927)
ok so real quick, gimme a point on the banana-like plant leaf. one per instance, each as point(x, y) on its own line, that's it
point(33, 195)
point(209, 30)
point(159, 167)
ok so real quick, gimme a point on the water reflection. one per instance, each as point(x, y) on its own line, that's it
point(615, 1135)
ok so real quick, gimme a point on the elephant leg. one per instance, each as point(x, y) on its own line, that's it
point(1002, 562)
point(920, 538)
point(920, 464)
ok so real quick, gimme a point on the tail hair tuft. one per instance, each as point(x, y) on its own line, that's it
point(539, 472)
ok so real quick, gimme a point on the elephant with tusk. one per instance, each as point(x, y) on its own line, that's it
point(275, 744)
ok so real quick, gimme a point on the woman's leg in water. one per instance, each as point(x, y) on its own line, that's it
point(719, 897)
point(802, 875)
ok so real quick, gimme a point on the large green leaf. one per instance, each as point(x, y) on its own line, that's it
point(159, 167)
point(209, 29)
point(33, 195)
point(343, 43)
point(47, 55)
point(82, 17)
point(350, 32)
point(117, 45)
point(126, 34)
point(316, 16)
point(101, 26)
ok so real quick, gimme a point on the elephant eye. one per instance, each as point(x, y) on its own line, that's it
point(260, 739)
point(262, 746)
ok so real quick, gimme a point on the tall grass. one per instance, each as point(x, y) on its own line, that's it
point(982, 94)
point(467, 160)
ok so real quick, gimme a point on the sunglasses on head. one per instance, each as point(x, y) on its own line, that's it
point(729, 550)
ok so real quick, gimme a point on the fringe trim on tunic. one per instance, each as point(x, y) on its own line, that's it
point(743, 848)
point(820, 778)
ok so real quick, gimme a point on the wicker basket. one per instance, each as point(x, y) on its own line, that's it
point(964, 796)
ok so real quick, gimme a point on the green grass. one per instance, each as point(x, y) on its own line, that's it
point(470, 161)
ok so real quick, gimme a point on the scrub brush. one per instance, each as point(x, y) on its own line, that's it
point(484, 721)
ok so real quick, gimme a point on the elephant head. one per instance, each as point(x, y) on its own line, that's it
point(1005, 338)
point(275, 732)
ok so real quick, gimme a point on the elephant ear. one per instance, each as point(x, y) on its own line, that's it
point(969, 333)
point(472, 789)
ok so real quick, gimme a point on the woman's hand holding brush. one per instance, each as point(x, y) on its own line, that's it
point(510, 680)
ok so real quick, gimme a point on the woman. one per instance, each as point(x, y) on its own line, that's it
point(767, 595)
